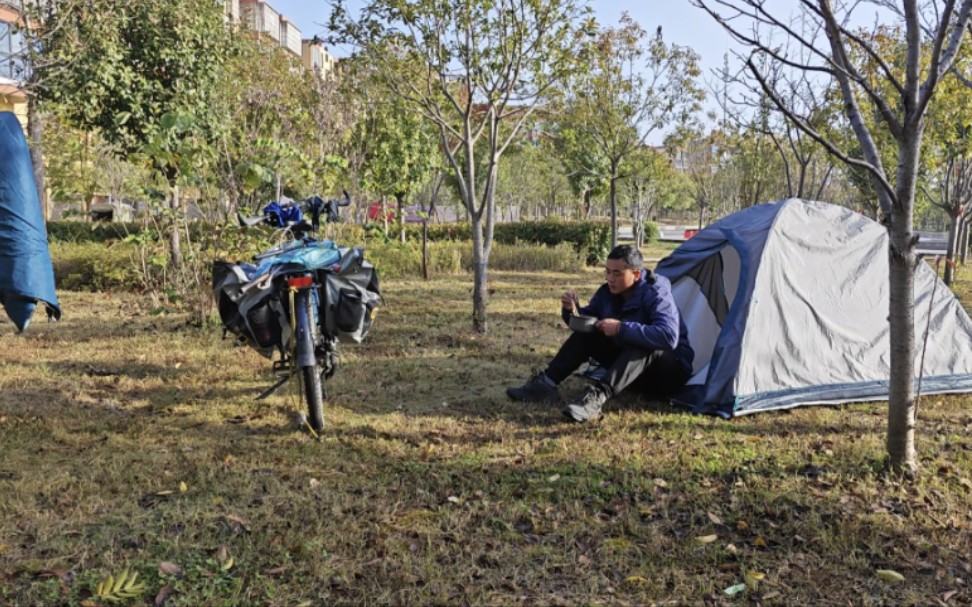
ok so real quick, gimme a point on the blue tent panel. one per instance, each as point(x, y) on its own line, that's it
point(26, 273)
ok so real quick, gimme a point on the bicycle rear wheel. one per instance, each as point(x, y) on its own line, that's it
point(306, 358)
point(314, 394)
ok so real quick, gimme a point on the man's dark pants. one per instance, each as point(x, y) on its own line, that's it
point(656, 372)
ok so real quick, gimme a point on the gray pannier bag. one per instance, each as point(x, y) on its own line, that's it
point(351, 296)
point(250, 310)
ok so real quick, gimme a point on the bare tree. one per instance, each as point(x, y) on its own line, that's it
point(951, 191)
point(900, 94)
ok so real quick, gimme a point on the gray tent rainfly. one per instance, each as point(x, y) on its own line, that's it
point(786, 304)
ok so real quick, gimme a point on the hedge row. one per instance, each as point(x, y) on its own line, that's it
point(590, 238)
point(79, 231)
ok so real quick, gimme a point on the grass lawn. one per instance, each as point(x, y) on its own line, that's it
point(131, 440)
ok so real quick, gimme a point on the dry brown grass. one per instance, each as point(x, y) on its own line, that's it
point(430, 487)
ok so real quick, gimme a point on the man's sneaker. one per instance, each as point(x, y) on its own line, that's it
point(537, 389)
point(588, 407)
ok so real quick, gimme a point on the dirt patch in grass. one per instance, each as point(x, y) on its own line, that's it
point(131, 440)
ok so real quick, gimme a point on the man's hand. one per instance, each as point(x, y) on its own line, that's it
point(609, 326)
point(568, 300)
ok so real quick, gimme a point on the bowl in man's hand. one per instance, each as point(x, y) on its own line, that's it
point(582, 324)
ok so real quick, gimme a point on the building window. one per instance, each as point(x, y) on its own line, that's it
point(12, 64)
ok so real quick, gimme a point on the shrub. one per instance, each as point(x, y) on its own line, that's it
point(591, 238)
point(530, 258)
point(651, 232)
point(396, 260)
point(79, 231)
point(92, 266)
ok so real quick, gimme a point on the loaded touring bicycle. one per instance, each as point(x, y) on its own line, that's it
point(295, 302)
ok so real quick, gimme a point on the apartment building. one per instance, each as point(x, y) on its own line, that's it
point(13, 66)
point(317, 60)
point(232, 10)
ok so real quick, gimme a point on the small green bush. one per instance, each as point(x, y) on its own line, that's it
point(397, 260)
point(589, 237)
point(530, 258)
point(92, 266)
point(651, 232)
point(80, 231)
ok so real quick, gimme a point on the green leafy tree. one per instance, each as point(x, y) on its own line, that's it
point(143, 74)
point(481, 68)
point(634, 86)
point(283, 122)
point(400, 148)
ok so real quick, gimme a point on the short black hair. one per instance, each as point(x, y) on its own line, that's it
point(631, 256)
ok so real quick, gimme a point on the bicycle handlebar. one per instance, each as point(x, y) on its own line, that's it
point(315, 205)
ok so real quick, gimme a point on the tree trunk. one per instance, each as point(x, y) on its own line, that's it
point(35, 128)
point(384, 215)
point(175, 249)
point(954, 232)
point(902, 263)
point(425, 249)
point(964, 241)
point(639, 226)
point(400, 199)
point(614, 210)
point(480, 292)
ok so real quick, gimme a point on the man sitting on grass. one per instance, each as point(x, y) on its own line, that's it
point(639, 339)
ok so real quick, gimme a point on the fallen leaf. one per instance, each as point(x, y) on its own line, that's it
point(742, 525)
point(715, 519)
point(228, 564)
point(238, 524)
point(660, 482)
point(731, 549)
point(222, 553)
point(948, 595)
point(583, 560)
point(753, 578)
point(635, 580)
point(453, 499)
point(183, 487)
point(274, 570)
point(554, 478)
point(706, 539)
point(771, 595)
point(167, 568)
point(164, 493)
point(314, 483)
point(734, 590)
point(373, 562)
point(759, 541)
point(889, 575)
point(164, 593)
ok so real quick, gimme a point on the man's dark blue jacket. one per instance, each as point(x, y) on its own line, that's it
point(649, 318)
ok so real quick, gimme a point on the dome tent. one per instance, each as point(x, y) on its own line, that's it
point(786, 304)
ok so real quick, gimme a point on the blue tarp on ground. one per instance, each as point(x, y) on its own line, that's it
point(26, 273)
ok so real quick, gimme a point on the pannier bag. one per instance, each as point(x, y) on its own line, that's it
point(352, 296)
point(250, 310)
